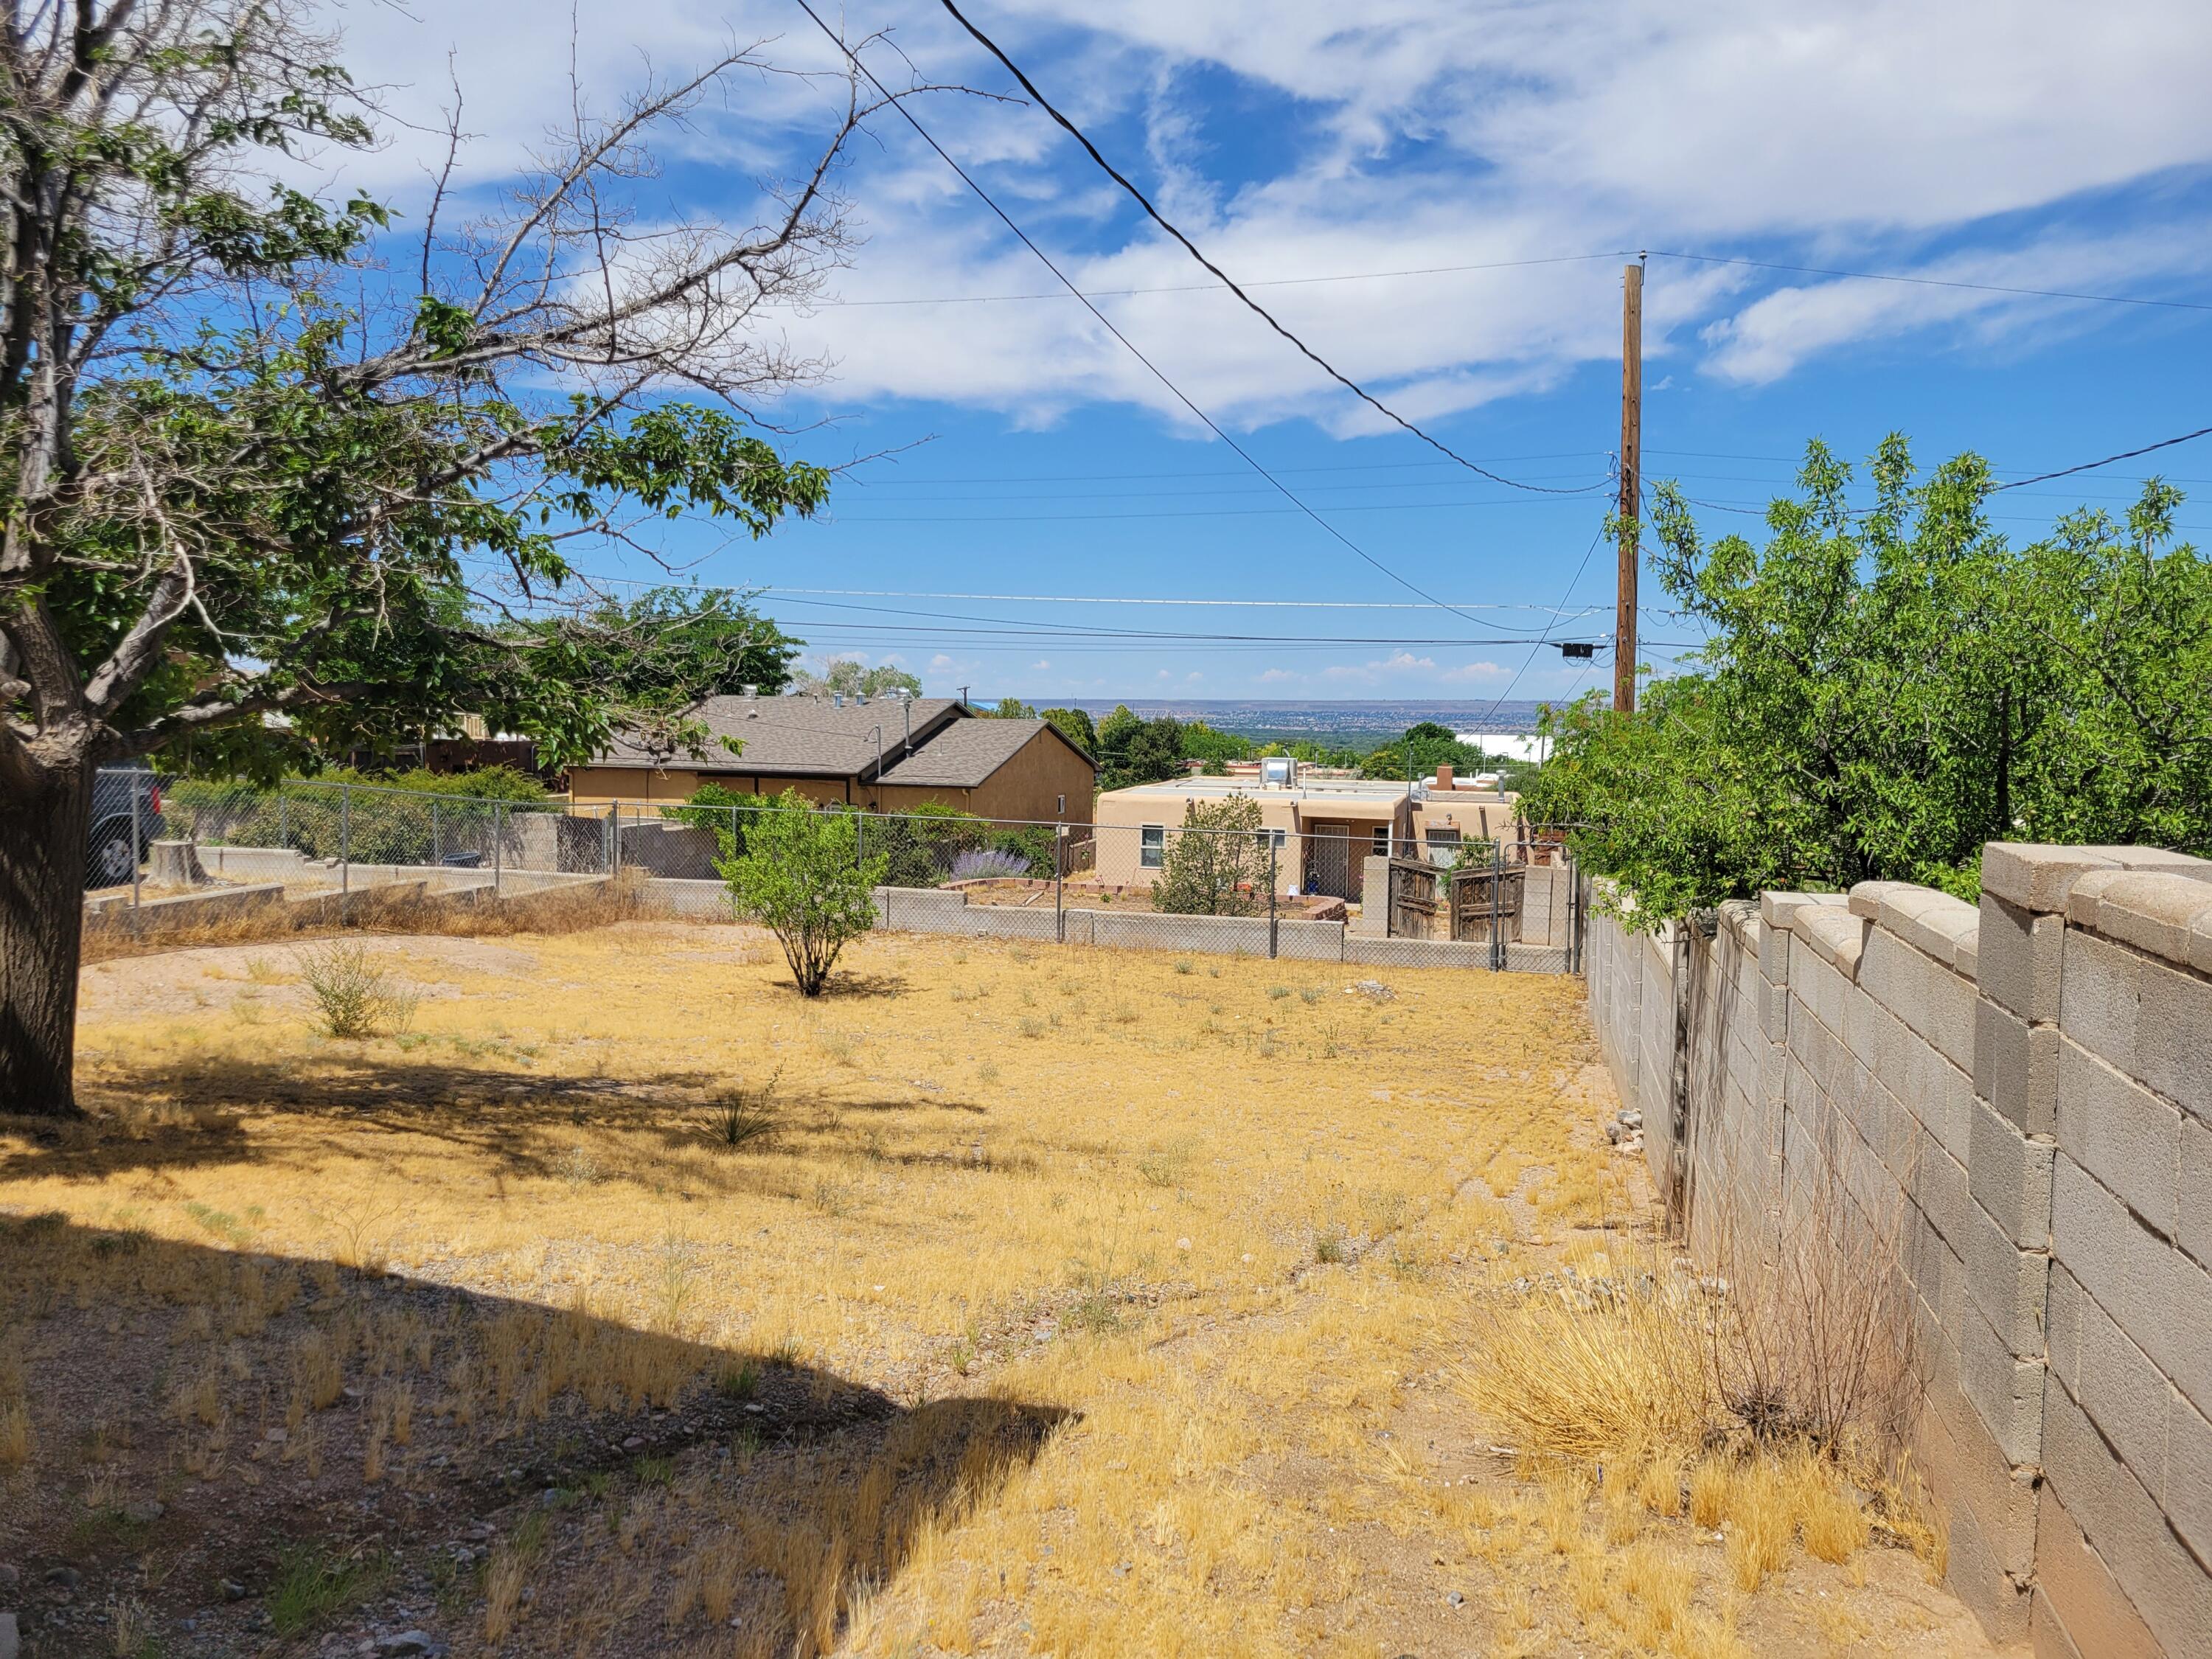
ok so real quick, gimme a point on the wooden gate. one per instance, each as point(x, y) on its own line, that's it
point(1414, 901)
point(1486, 897)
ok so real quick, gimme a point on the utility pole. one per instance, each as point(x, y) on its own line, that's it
point(1632, 455)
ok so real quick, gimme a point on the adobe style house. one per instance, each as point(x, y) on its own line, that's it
point(883, 754)
point(1324, 827)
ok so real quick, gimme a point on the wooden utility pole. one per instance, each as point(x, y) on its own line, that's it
point(1632, 448)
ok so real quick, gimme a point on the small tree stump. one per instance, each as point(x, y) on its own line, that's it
point(175, 863)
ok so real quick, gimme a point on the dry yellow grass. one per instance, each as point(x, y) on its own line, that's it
point(1231, 1241)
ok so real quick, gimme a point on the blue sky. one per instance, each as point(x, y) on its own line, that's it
point(1025, 452)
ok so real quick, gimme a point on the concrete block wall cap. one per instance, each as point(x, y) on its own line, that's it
point(2200, 945)
point(2155, 910)
point(2038, 875)
point(1777, 908)
point(2156, 858)
point(1866, 897)
point(1929, 921)
point(1834, 935)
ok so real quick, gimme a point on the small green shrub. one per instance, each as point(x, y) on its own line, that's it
point(803, 878)
point(354, 997)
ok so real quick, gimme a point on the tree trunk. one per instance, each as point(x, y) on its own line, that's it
point(42, 831)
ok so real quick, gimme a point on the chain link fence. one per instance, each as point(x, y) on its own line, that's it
point(1515, 903)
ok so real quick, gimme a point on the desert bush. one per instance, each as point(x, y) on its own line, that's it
point(354, 997)
point(802, 876)
point(1214, 865)
point(1802, 1347)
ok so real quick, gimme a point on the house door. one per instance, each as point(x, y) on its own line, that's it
point(1329, 860)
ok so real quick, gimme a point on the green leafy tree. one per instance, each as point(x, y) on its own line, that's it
point(664, 650)
point(1419, 752)
point(1201, 742)
point(1214, 865)
point(233, 491)
point(848, 676)
point(1074, 725)
point(802, 876)
point(1008, 708)
point(1133, 750)
point(1889, 688)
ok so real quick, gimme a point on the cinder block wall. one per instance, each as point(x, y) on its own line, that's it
point(2015, 1101)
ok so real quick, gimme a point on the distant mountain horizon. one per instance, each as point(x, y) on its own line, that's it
point(1338, 721)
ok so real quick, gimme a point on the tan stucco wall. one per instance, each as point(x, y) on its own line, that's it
point(1031, 784)
point(1475, 815)
point(1122, 814)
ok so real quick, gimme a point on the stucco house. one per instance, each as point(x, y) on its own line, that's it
point(1324, 829)
point(883, 755)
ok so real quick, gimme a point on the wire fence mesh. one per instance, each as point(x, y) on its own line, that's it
point(1382, 894)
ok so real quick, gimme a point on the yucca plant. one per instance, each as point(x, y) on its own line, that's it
point(740, 1118)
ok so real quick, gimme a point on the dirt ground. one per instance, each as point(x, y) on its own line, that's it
point(1007, 1301)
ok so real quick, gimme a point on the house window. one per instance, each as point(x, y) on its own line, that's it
point(1382, 841)
point(1059, 807)
point(1443, 844)
point(1152, 845)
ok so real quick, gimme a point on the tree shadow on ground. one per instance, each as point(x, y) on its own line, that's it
point(848, 985)
point(281, 1449)
point(171, 1114)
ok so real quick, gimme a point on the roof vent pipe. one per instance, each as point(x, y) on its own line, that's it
point(838, 701)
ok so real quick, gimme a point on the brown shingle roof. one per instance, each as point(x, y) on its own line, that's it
point(806, 736)
point(964, 754)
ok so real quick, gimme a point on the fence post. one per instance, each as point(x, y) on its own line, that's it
point(1576, 901)
point(1058, 865)
point(137, 848)
point(1496, 904)
point(860, 841)
point(1273, 921)
point(345, 842)
point(283, 819)
point(498, 844)
point(437, 836)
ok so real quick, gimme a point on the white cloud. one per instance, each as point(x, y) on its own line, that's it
point(1772, 335)
point(1853, 133)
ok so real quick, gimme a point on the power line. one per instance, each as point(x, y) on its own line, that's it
point(1296, 505)
point(1213, 288)
point(1233, 472)
point(1090, 629)
point(1937, 282)
point(1106, 323)
point(1530, 661)
point(1253, 305)
point(1457, 609)
point(2124, 455)
point(1241, 604)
